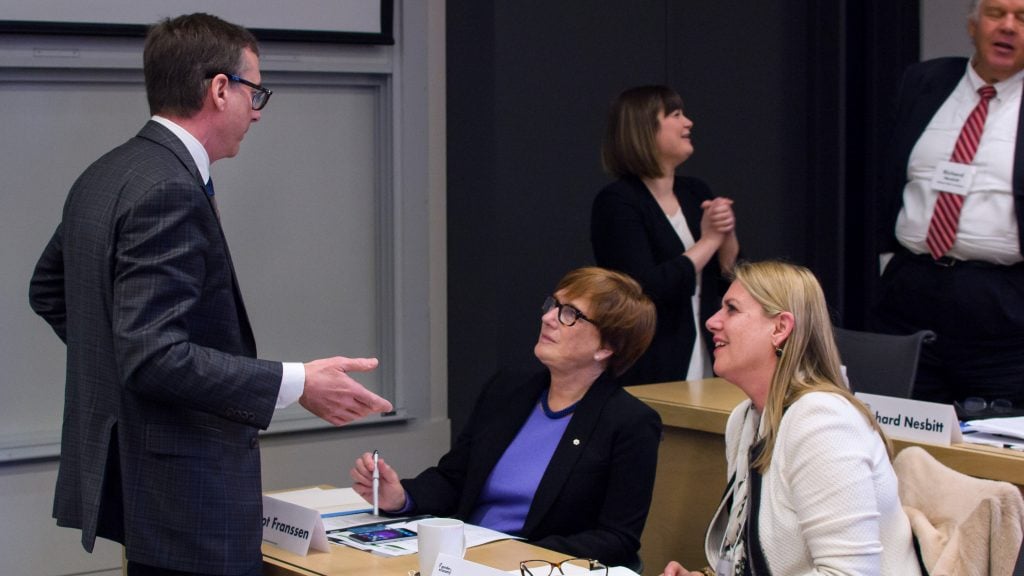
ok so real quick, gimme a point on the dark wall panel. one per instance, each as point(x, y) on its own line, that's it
point(474, 273)
point(529, 83)
point(524, 165)
point(743, 77)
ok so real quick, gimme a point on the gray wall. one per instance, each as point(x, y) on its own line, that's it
point(944, 29)
point(407, 133)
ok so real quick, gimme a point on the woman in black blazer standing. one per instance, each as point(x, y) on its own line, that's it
point(668, 232)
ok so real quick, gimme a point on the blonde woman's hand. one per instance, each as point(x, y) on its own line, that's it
point(676, 569)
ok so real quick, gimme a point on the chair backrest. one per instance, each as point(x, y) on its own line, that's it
point(884, 364)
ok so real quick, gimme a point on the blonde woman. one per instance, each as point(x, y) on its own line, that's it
point(811, 487)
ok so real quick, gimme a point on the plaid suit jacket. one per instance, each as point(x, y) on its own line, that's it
point(164, 395)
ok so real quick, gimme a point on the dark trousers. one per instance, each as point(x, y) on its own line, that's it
point(977, 313)
point(136, 569)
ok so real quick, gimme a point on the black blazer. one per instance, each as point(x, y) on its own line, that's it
point(592, 500)
point(630, 233)
point(923, 90)
point(164, 396)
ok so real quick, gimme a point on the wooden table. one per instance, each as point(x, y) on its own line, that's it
point(691, 466)
point(345, 561)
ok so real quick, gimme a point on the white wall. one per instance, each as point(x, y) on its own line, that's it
point(30, 542)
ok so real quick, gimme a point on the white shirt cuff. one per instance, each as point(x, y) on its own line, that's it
point(293, 382)
point(883, 261)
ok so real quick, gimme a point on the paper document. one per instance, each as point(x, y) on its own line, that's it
point(475, 536)
point(996, 440)
point(448, 565)
point(327, 502)
point(343, 521)
point(1012, 427)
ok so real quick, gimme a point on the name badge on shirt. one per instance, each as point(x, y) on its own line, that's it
point(953, 177)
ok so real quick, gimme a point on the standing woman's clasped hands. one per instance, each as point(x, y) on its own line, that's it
point(718, 217)
point(718, 222)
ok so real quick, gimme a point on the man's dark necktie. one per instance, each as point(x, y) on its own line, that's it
point(210, 195)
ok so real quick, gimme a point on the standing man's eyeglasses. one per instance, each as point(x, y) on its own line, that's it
point(260, 95)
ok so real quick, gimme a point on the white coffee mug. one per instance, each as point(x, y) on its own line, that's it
point(438, 535)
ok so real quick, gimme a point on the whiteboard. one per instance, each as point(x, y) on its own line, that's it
point(301, 208)
point(364, 21)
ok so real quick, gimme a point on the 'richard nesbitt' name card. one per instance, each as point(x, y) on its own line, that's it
point(914, 420)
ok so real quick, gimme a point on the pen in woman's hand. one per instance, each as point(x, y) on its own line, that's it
point(376, 485)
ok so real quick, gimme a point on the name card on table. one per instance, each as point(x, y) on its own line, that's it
point(292, 527)
point(914, 420)
point(448, 565)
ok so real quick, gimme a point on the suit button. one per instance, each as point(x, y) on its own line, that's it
point(254, 442)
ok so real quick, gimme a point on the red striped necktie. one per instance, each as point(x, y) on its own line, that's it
point(942, 229)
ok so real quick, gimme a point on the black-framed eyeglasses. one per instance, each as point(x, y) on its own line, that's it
point(546, 568)
point(567, 313)
point(975, 405)
point(260, 95)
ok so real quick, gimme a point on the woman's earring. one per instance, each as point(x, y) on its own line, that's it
point(778, 352)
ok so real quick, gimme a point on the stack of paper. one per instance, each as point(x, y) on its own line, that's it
point(329, 502)
point(1002, 432)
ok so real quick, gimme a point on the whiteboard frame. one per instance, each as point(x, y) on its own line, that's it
point(383, 35)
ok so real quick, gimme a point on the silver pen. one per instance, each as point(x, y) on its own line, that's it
point(376, 485)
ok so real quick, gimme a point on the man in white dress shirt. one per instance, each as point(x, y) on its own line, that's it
point(971, 294)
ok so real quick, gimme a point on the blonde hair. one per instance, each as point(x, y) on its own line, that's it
point(810, 359)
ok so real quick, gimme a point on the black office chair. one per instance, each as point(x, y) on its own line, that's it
point(883, 364)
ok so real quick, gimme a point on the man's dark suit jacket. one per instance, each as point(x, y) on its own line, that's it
point(924, 89)
point(164, 395)
point(630, 233)
point(592, 500)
